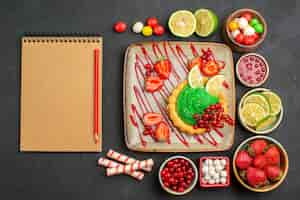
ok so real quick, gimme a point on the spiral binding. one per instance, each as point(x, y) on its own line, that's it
point(61, 37)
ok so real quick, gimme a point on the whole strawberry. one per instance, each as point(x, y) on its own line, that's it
point(260, 161)
point(257, 147)
point(243, 160)
point(256, 177)
point(273, 172)
point(272, 155)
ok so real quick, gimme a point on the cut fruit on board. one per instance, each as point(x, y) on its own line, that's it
point(196, 80)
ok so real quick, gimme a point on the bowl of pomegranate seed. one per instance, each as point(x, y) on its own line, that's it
point(260, 163)
point(178, 175)
point(214, 171)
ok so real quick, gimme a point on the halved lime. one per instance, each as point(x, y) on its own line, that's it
point(182, 23)
point(195, 78)
point(260, 100)
point(266, 123)
point(207, 22)
point(252, 113)
point(274, 101)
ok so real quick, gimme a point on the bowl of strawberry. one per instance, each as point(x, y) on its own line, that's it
point(244, 30)
point(260, 163)
point(178, 175)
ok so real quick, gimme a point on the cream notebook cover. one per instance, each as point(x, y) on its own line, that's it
point(57, 94)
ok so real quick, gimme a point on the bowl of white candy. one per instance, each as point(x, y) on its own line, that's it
point(214, 171)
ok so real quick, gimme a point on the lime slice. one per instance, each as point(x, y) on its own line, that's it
point(215, 86)
point(260, 100)
point(182, 23)
point(274, 101)
point(252, 113)
point(196, 80)
point(207, 22)
point(266, 123)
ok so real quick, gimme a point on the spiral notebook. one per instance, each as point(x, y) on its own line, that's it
point(60, 94)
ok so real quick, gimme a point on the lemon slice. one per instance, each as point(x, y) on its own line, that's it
point(215, 86)
point(266, 123)
point(274, 101)
point(252, 113)
point(182, 23)
point(260, 100)
point(207, 22)
point(196, 80)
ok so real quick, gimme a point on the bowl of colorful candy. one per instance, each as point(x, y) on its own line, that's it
point(244, 30)
point(260, 163)
point(178, 175)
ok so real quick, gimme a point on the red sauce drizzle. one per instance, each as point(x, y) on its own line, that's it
point(198, 139)
point(178, 58)
point(218, 132)
point(225, 84)
point(194, 51)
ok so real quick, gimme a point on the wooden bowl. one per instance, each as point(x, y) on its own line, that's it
point(231, 42)
point(193, 184)
point(276, 124)
point(284, 164)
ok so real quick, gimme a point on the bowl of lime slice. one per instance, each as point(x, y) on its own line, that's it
point(260, 111)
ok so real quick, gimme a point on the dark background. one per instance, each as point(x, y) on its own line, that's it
point(75, 175)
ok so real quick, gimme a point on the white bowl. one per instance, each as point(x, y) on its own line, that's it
point(193, 184)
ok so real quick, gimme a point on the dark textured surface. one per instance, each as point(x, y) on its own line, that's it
point(74, 175)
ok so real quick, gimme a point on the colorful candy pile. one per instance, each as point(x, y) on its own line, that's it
point(246, 29)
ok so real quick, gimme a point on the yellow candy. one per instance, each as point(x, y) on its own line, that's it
point(233, 25)
point(147, 31)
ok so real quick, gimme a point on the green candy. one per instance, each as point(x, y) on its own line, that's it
point(254, 21)
point(259, 28)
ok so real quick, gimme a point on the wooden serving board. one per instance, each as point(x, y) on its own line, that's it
point(137, 101)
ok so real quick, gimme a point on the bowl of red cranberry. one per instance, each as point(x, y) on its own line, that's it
point(178, 175)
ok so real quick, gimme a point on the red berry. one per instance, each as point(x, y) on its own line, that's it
point(152, 21)
point(247, 15)
point(240, 38)
point(120, 26)
point(159, 30)
point(249, 40)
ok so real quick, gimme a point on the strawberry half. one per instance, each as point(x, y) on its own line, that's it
point(163, 68)
point(273, 172)
point(243, 160)
point(152, 118)
point(162, 132)
point(256, 177)
point(153, 83)
point(257, 147)
point(272, 155)
point(260, 161)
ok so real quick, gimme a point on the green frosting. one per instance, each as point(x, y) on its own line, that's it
point(191, 101)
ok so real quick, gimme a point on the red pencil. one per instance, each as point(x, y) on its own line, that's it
point(96, 95)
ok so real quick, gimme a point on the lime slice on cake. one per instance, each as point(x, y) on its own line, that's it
point(214, 86)
point(274, 101)
point(258, 99)
point(252, 113)
point(207, 22)
point(196, 80)
point(266, 123)
point(182, 23)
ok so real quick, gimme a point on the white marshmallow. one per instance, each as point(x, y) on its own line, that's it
point(249, 30)
point(211, 181)
point(223, 173)
point(209, 162)
point(235, 33)
point(216, 176)
point(223, 180)
point(205, 169)
point(207, 177)
point(217, 181)
point(243, 22)
point(216, 162)
point(137, 27)
point(223, 162)
point(219, 168)
point(211, 171)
